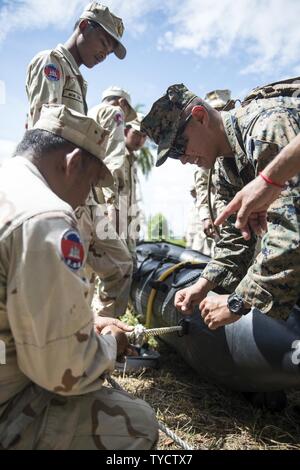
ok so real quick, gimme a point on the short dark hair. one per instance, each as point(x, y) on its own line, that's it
point(40, 142)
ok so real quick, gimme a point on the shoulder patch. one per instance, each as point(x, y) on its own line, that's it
point(119, 119)
point(52, 72)
point(72, 249)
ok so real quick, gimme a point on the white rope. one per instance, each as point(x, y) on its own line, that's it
point(173, 436)
point(138, 335)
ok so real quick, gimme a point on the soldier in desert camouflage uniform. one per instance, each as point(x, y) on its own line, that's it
point(51, 393)
point(188, 129)
point(134, 141)
point(193, 223)
point(54, 77)
point(112, 114)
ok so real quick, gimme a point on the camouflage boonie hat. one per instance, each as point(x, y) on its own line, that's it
point(113, 25)
point(163, 121)
point(78, 129)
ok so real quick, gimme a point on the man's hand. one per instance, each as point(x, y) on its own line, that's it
point(251, 204)
point(186, 299)
point(102, 322)
point(208, 228)
point(123, 347)
point(215, 312)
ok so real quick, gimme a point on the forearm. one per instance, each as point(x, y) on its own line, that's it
point(233, 255)
point(272, 282)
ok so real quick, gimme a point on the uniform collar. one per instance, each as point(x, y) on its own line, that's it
point(235, 139)
point(130, 156)
point(31, 167)
point(68, 56)
point(35, 171)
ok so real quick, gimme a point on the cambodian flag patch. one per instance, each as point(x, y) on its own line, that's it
point(52, 72)
point(72, 250)
point(119, 119)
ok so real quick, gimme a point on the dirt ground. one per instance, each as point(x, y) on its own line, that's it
point(207, 416)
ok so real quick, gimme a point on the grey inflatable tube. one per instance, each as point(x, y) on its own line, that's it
point(254, 354)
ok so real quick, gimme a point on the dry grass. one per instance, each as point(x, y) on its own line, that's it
point(207, 416)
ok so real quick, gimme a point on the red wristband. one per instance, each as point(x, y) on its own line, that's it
point(270, 181)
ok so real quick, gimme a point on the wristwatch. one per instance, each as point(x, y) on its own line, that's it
point(236, 305)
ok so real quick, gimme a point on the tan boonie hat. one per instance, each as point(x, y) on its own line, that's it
point(163, 123)
point(113, 25)
point(120, 93)
point(218, 99)
point(78, 129)
point(136, 123)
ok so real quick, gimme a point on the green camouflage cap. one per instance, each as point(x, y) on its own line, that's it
point(163, 121)
point(78, 129)
point(112, 24)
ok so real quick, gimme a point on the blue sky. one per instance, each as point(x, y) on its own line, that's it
point(203, 43)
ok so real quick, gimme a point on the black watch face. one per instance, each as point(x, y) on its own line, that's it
point(236, 304)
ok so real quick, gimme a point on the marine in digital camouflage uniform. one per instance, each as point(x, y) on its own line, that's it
point(54, 77)
point(188, 129)
point(51, 393)
point(204, 240)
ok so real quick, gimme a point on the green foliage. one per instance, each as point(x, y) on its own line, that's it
point(145, 160)
point(177, 242)
point(129, 317)
point(145, 157)
point(158, 228)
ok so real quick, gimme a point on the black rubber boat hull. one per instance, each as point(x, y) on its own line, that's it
point(257, 353)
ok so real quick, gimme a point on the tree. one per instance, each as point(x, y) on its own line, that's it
point(145, 157)
point(145, 160)
point(158, 228)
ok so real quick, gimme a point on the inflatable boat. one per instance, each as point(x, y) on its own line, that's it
point(254, 354)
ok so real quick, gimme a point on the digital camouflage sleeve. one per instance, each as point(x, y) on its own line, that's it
point(256, 134)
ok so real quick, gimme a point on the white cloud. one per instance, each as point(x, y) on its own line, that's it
point(6, 149)
point(35, 14)
point(39, 14)
point(267, 32)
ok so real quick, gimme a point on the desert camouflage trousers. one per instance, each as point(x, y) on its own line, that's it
point(107, 419)
point(108, 262)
